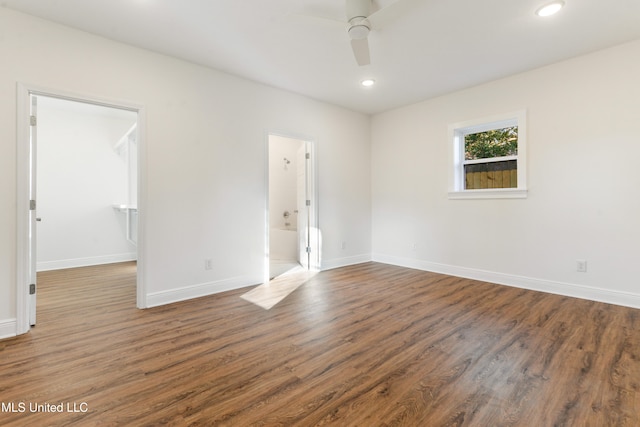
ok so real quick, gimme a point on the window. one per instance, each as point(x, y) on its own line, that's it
point(488, 157)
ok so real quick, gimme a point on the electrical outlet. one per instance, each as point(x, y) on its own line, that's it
point(208, 264)
point(344, 245)
point(581, 265)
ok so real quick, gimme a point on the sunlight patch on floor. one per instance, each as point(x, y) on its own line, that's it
point(269, 294)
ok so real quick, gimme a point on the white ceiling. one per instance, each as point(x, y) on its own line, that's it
point(433, 47)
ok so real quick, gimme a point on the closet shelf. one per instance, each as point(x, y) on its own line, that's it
point(124, 208)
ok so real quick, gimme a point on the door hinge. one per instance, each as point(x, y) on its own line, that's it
point(33, 120)
point(308, 202)
point(32, 205)
point(307, 156)
point(32, 289)
point(308, 249)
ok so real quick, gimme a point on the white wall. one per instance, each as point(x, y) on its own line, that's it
point(205, 158)
point(583, 179)
point(80, 178)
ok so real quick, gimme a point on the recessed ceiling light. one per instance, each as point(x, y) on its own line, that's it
point(368, 82)
point(550, 9)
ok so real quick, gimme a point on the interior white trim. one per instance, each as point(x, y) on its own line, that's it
point(24, 91)
point(625, 299)
point(8, 328)
point(22, 197)
point(345, 261)
point(84, 262)
point(455, 135)
point(200, 290)
point(500, 193)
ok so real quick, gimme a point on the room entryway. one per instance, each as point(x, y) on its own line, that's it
point(291, 232)
point(79, 176)
point(293, 244)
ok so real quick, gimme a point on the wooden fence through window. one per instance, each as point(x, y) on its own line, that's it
point(491, 175)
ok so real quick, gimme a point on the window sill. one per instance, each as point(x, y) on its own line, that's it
point(506, 193)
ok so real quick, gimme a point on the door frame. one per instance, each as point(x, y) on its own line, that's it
point(23, 154)
point(312, 176)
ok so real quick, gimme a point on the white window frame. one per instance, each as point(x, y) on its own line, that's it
point(456, 134)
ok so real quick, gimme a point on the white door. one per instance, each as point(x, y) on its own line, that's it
point(303, 202)
point(33, 219)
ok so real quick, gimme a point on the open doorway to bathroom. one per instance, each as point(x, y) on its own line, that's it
point(291, 233)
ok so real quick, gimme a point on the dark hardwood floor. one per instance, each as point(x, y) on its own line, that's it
point(366, 345)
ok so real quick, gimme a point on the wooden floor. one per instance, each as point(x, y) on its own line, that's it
point(367, 345)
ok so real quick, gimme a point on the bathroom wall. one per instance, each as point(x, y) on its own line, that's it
point(283, 181)
point(285, 174)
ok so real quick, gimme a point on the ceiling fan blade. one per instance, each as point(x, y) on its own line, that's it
point(388, 14)
point(361, 51)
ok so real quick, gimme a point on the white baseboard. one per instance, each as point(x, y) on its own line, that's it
point(203, 289)
point(195, 291)
point(626, 299)
point(85, 262)
point(346, 261)
point(8, 328)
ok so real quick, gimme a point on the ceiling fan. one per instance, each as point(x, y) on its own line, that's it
point(360, 21)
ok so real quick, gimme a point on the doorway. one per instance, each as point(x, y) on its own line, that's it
point(86, 184)
point(291, 207)
point(78, 173)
